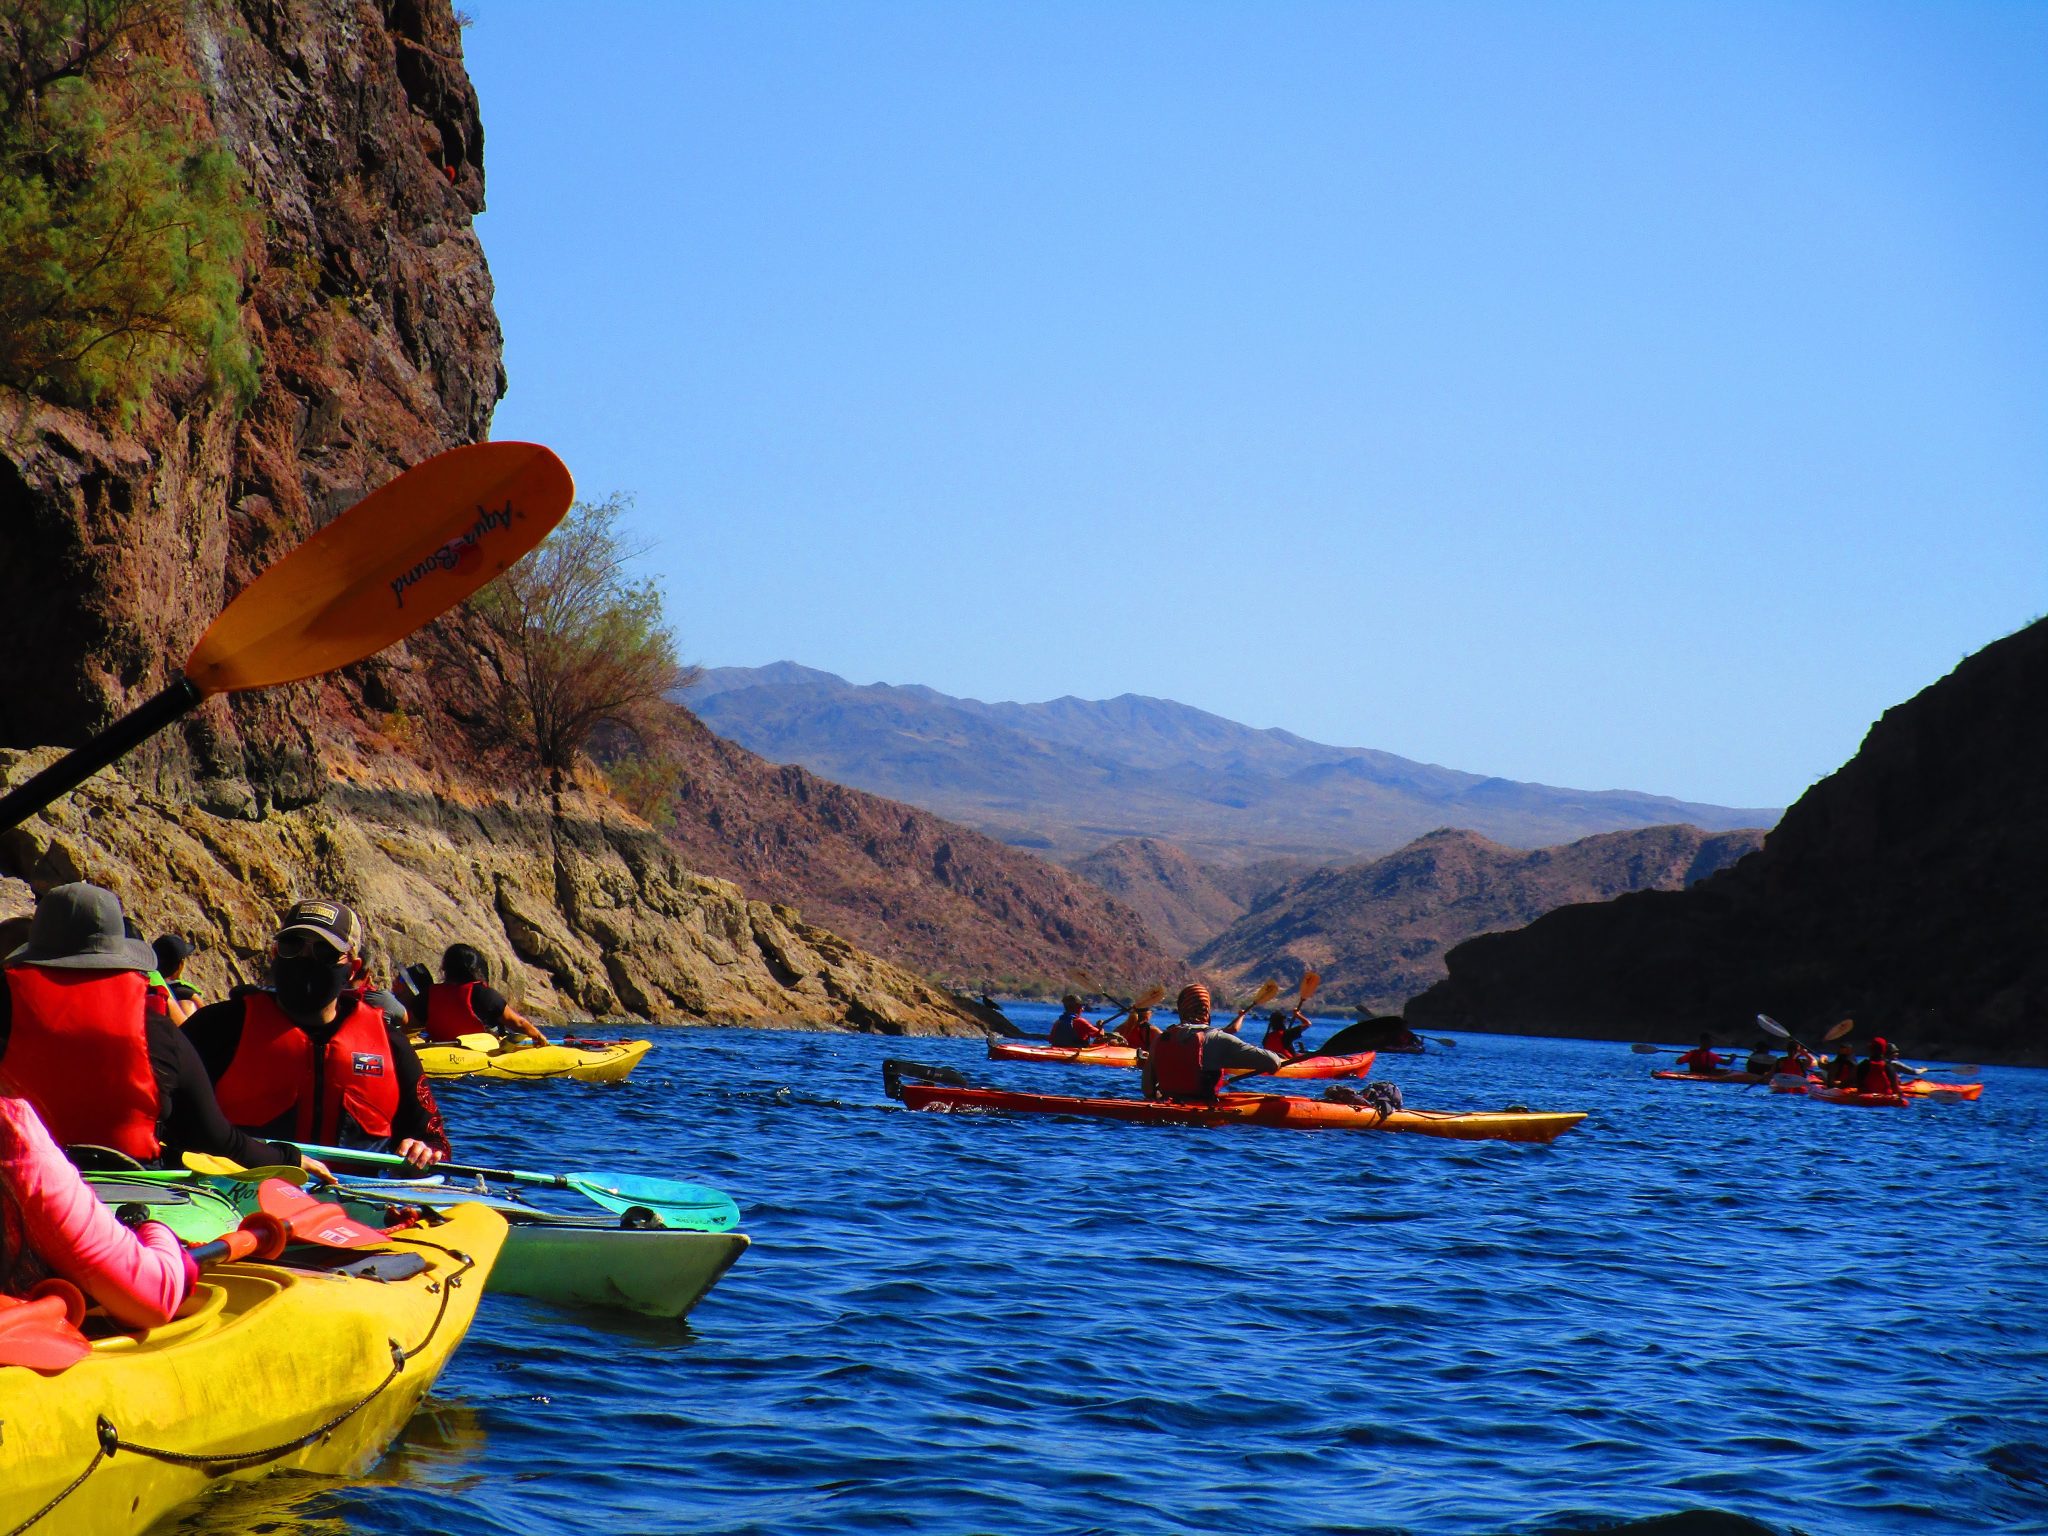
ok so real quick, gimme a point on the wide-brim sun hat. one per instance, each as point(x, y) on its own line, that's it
point(79, 927)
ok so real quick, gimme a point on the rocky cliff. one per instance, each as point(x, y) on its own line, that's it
point(1905, 890)
point(369, 299)
point(1378, 931)
point(1178, 898)
point(921, 891)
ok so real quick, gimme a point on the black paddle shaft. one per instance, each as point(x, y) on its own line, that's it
point(80, 764)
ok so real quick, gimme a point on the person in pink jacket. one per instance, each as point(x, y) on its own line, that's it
point(51, 1223)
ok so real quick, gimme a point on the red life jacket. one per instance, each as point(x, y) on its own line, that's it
point(79, 1054)
point(1177, 1065)
point(1701, 1060)
point(449, 1014)
point(277, 1072)
point(1140, 1033)
point(1277, 1042)
point(1877, 1077)
point(1842, 1074)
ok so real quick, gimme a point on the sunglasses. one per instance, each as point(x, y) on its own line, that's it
point(301, 946)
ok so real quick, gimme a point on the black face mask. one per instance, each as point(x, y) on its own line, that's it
point(307, 984)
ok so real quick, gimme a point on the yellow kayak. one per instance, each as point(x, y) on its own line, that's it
point(593, 1061)
point(270, 1367)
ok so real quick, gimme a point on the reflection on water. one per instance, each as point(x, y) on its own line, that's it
point(1706, 1312)
point(432, 1451)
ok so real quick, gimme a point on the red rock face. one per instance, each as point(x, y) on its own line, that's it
point(1905, 890)
point(901, 882)
point(370, 300)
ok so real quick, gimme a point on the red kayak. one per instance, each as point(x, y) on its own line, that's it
point(1357, 1064)
point(1255, 1109)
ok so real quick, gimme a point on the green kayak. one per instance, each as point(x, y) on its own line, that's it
point(594, 1261)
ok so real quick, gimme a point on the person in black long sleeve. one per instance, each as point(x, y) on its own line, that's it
point(308, 1060)
point(82, 1040)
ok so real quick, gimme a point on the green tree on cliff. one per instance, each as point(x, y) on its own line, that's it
point(121, 228)
point(581, 646)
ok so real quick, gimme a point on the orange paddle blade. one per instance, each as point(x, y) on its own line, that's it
point(314, 1221)
point(398, 558)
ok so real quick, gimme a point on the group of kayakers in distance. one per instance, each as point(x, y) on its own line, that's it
point(103, 1045)
point(1877, 1073)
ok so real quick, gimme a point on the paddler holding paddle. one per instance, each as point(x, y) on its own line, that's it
point(1070, 1028)
point(309, 1061)
point(463, 1003)
point(1187, 1063)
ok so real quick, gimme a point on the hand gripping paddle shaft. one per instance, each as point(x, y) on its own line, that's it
point(398, 558)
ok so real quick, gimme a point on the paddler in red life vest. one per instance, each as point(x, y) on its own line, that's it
point(1879, 1072)
point(1841, 1071)
point(1070, 1028)
point(1797, 1062)
point(310, 1060)
point(1138, 1031)
point(1189, 1059)
point(1283, 1037)
point(1702, 1058)
point(460, 1003)
point(95, 1055)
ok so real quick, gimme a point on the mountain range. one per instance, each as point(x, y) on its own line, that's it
point(1067, 776)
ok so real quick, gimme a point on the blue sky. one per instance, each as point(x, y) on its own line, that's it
point(1610, 395)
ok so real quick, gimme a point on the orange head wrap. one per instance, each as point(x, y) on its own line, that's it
point(1193, 1004)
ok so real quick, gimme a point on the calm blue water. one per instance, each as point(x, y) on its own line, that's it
point(1706, 1298)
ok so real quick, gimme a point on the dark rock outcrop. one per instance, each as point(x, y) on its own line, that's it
point(1905, 890)
point(1378, 931)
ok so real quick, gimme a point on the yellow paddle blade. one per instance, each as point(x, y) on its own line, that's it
point(396, 559)
point(1268, 990)
point(227, 1168)
point(1149, 998)
point(1309, 982)
point(1838, 1031)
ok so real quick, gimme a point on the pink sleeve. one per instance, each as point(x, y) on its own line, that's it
point(141, 1279)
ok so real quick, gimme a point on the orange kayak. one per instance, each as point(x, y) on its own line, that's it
point(1866, 1100)
point(1355, 1065)
point(1255, 1109)
point(1921, 1086)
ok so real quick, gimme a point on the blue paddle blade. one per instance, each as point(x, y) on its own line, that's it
point(694, 1206)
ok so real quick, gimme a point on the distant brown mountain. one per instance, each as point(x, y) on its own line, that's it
point(1905, 890)
point(1067, 776)
point(923, 892)
point(1378, 931)
point(1177, 898)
